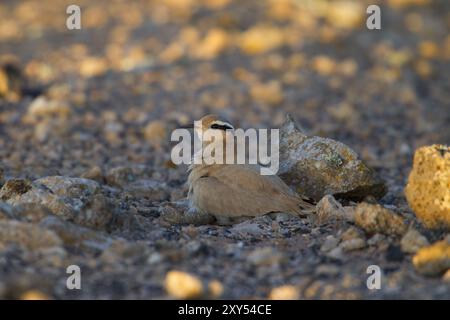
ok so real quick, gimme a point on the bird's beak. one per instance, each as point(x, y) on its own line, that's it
point(189, 126)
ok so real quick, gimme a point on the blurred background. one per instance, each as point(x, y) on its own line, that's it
point(110, 94)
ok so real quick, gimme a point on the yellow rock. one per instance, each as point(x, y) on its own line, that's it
point(260, 39)
point(93, 66)
point(428, 49)
point(345, 14)
point(428, 188)
point(155, 132)
point(434, 259)
point(286, 292)
point(269, 93)
point(182, 285)
point(212, 45)
point(215, 288)
point(324, 65)
point(374, 218)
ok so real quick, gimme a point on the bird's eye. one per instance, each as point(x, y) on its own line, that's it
point(221, 126)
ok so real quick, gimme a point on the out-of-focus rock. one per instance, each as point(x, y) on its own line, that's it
point(353, 244)
point(27, 235)
point(286, 292)
point(428, 188)
point(433, 260)
point(374, 218)
point(260, 39)
point(352, 239)
point(93, 66)
point(345, 14)
point(215, 41)
point(42, 107)
point(76, 236)
point(95, 173)
point(124, 175)
point(7, 211)
point(179, 213)
point(182, 285)
point(148, 189)
point(412, 241)
point(328, 209)
point(156, 132)
point(74, 199)
point(329, 244)
point(316, 166)
point(266, 256)
point(215, 289)
point(269, 93)
point(32, 212)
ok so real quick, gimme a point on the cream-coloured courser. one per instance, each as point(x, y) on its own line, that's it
point(238, 190)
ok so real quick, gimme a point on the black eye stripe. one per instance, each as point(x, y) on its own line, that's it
point(221, 126)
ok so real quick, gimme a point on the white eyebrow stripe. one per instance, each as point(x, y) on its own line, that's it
point(222, 123)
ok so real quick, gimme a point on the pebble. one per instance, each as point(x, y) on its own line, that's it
point(182, 285)
point(286, 292)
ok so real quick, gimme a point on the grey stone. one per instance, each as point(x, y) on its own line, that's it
point(316, 166)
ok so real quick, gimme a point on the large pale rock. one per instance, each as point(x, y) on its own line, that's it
point(428, 188)
point(316, 166)
point(74, 199)
point(27, 235)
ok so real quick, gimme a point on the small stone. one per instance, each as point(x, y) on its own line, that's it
point(412, 241)
point(434, 259)
point(329, 244)
point(374, 218)
point(182, 285)
point(95, 173)
point(149, 189)
point(260, 39)
point(156, 132)
point(270, 93)
point(215, 289)
point(286, 292)
point(336, 253)
point(315, 167)
point(215, 41)
point(124, 175)
point(327, 270)
point(428, 188)
point(328, 209)
point(247, 229)
point(375, 239)
point(353, 244)
point(93, 66)
point(351, 233)
point(42, 107)
point(179, 213)
point(266, 256)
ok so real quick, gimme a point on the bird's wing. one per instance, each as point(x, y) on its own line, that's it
point(240, 190)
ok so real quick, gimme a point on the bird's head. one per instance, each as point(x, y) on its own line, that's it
point(215, 125)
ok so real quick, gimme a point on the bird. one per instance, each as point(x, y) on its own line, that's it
point(237, 190)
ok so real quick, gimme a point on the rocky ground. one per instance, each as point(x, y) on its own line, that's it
point(85, 118)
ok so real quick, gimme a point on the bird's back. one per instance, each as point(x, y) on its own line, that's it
point(240, 190)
